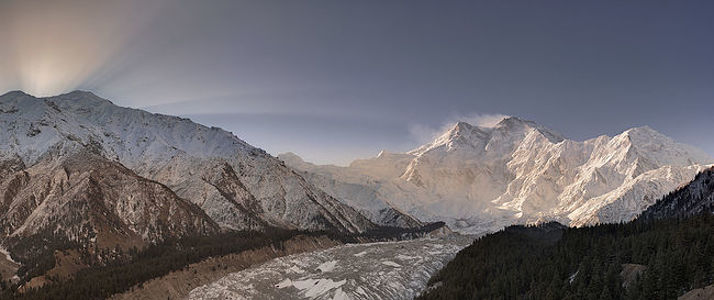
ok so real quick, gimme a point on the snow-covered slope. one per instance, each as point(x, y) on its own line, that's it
point(479, 179)
point(354, 189)
point(238, 186)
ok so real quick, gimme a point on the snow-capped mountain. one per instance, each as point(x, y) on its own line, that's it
point(157, 176)
point(479, 179)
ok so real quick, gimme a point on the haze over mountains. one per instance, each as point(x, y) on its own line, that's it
point(480, 179)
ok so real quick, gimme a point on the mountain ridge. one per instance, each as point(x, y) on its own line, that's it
point(239, 187)
point(695, 198)
point(480, 179)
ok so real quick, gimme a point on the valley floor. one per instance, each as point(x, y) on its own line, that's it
point(386, 270)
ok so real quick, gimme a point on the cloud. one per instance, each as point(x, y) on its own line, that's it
point(484, 120)
point(425, 133)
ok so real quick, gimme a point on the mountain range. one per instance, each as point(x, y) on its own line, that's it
point(480, 179)
point(201, 179)
point(83, 180)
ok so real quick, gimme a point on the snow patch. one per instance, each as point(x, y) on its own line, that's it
point(7, 255)
point(313, 288)
point(341, 295)
point(406, 257)
point(391, 264)
point(572, 277)
point(296, 269)
point(360, 254)
point(285, 283)
point(327, 266)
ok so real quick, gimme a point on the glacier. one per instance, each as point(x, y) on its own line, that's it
point(384, 270)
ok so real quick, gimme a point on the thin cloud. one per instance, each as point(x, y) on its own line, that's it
point(484, 120)
point(425, 133)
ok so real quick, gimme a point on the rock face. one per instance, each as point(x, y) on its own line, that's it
point(480, 179)
point(88, 199)
point(81, 167)
point(695, 198)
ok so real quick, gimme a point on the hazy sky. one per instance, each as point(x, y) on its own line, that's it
point(335, 80)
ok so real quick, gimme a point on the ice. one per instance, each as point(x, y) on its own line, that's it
point(360, 254)
point(327, 266)
point(406, 257)
point(391, 264)
point(285, 283)
point(296, 269)
point(312, 288)
point(340, 295)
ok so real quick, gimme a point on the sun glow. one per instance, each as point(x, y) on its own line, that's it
point(52, 47)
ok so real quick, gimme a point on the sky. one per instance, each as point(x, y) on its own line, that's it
point(337, 80)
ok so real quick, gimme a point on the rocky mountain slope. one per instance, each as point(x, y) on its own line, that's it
point(480, 179)
point(695, 198)
point(77, 171)
point(88, 199)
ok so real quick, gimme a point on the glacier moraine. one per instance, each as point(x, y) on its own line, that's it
point(387, 270)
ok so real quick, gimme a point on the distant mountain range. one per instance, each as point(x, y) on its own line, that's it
point(480, 179)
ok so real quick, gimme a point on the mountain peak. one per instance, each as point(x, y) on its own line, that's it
point(462, 125)
point(14, 94)
point(291, 158)
point(661, 148)
point(642, 130)
point(80, 96)
point(459, 127)
point(465, 134)
point(79, 93)
point(76, 96)
point(645, 135)
point(510, 121)
point(516, 124)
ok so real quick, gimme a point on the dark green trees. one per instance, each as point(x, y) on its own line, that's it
point(585, 263)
